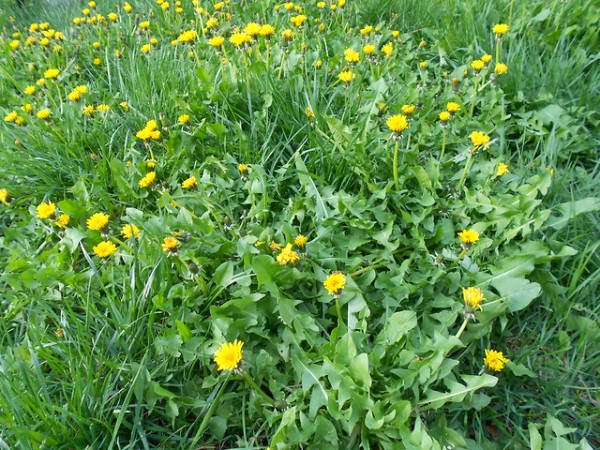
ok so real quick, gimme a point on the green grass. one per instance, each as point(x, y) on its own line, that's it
point(118, 353)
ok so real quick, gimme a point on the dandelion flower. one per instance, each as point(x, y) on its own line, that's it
point(479, 139)
point(298, 20)
point(309, 112)
point(45, 210)
point(239, 39)
point(500, 29)
point(477, 65)
point(468, 236)
point(346, 76)
point(288, 256)
point(130, 230)
point(189, 183)
point(243, 168)
point(494, 360)
point(408, 109)
point(267, 31)
point(217, 41)
point(44, 114)
point(229, 355)
point(300, 241)
point(502, 170)
point(486, 58)
point(501, 69)
point(51, 73)
point(62, 221)
point(275, 246)
point(4, 196)
point(350, 55)
point(444, 116)
point(147, 180)
point(366, 30)
point(397, 123)
point(104, 249)
point(369, 49)
point(473, 297)
point(183, 118)
point(452, 107)
point(98, 221)
point(387, 49)
point(29, 90)
point(170, 244)
point(335, 283)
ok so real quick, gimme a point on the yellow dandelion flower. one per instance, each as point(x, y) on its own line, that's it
point(501, 69)
point(88, 110)
point(387, 49)
point(98, 221)
point(148, 180)
point(494, 360)
point(397, 123)
point(473, 297)
point(243, 168)
point(102, 108)
point(267, 31)
point(298, 20)
point(500, 29)
point(275, 246)
point(44, 114)
point(452, 107)
point(502, 170)
point(288, 256)
point(468, 236)
point(217, 41)
point(170, 244)
point(309, 112)
point(287, 35)
point(4, 196)
point(369, 49)
point(444, 116)
point(104, 249)
point(301, 241)
point(189, 183)
point(184, 118)
point(352, 56)
point(229, 355)
point(479, 139)
point(408, 109)
point(346, 76)
point(335, 283)
point(45, 210)
point(29, 90)
point(366, 30)
point(130, 230)
point(51, 73)
point(239, 39)
point(62, 221)
point(477, 65)
point(11, 116)
point(486, 58)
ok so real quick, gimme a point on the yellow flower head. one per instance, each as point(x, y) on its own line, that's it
point(346, 76)
point(170, 244)
point(309, 112)
point(298, 20)
point(130, 230)
point(350, 55)
point(189, 183)
point(408, 109)
point(369, 49)
point(98, 221)
point(288, 34)
point(335, 283)
point(501, 69)
point(239, 39)
point(444, 116)
point(500, 29)
point(51, 73)
point(147, 180)
point(275, 246)
point(243, 168)
point(502, 170)
point(468, 236)
point(288, 256)
point(486, 58)
point(62, 221)
point(184, 118)
point(452, 107)
point(423, 64)
point(44, 114)
point(300, 241)
point(45, 210)
point(104, 249)
point(4, 196)
point(387, 49)
point(366, 30)
point(217, 41)
point(30, 90)
point(494, 360)
point(267, 31)
point(477, 65)
point(397, 123)
point(479, 139)
point(473, 297)
point(229, 355)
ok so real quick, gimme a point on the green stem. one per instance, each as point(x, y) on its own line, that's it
point(210, 412)
point(395, 167)
point(338, 309)
point(474, 99)
point(443, 142)
point(510, 13)
point(255, 386)
point(462, 328)
point(497, 50)
point(464, 173)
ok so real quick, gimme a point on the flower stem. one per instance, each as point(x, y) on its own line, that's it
point(443, 143)
point(255, 386)
point(462, 328)
point(474, 99)
point(338, 309)
point(210, 412)
point(395, 167)
point(464, 173)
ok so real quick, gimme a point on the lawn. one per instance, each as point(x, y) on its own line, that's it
point(314, 225)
